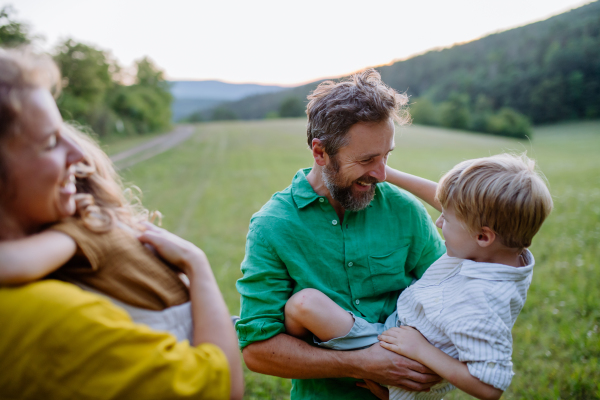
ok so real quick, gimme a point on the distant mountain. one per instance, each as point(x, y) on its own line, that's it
point(193, 96)
point(548, 70)
point(218, 90)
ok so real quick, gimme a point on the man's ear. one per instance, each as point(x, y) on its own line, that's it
point(485, 237)
point(319, 153)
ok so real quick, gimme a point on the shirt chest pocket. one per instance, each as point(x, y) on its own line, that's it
point(388, 271)
point(428, 293)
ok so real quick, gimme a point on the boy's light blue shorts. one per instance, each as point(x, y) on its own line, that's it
point(363, 334)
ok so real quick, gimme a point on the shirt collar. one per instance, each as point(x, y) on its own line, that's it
point(498, 272)
point(304, 194)
point(302, 191)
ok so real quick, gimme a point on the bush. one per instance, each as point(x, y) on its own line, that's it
point(508, 122)
point(423, 112)
point(292, 107)
point(454, 113)
point(145, 108)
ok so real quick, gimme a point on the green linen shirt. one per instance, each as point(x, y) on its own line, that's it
point(297, 241)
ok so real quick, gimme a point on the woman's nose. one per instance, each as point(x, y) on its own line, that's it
point(74, 151)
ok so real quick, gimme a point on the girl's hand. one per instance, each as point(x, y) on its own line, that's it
point(405, 340)
point(381, 392)
point(174, 249)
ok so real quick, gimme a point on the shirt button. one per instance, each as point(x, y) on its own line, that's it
point(334, 222)
point(437, 299)
point(491, 364)
point(357, 302)
point(350, 264)
point(321, 199)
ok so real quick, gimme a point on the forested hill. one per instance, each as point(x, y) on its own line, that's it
point(548, 70)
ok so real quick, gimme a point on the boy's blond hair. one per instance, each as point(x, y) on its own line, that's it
point(504, 193)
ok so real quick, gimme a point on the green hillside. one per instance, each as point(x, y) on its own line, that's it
point(548, 71)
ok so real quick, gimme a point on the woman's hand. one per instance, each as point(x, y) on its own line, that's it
point(173, 249)
point(210, 316)
point(381, 392)
point(405, 340)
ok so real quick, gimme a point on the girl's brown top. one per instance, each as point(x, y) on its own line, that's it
point(117, 264)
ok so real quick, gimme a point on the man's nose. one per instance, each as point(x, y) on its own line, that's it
point(379, 171)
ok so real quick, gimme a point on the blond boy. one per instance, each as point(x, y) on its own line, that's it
point(457, 318)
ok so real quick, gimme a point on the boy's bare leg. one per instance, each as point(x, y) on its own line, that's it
point(310, 311)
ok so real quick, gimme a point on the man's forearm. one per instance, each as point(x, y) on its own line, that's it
point(288, 357)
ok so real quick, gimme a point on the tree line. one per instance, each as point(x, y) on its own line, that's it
point(544, 72)
point(93, 92)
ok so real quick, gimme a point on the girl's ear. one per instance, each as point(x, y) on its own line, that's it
point(485, 237)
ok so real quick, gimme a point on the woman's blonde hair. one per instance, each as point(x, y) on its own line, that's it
point(504, 193)
point(101, 199)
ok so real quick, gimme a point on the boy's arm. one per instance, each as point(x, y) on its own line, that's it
point(31, 258)
point(408, 342)
point(420, 187)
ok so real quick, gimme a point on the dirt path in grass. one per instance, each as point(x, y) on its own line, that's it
point(151, 148)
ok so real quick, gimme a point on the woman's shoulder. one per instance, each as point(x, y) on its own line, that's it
point(49, 300)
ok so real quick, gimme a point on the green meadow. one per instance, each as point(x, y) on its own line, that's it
point(208, 188)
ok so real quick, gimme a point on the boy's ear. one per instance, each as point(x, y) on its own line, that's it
point(485, 237)
point(319, 153)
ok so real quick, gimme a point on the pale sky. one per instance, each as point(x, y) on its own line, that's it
point(274, 41)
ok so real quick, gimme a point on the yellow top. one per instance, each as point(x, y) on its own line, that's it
point(59, 342)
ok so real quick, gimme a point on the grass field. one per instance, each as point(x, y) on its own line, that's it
point(208, 188)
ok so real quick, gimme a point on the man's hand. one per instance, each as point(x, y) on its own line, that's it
point(388, 368)
point(381, 392)
point(405, 340)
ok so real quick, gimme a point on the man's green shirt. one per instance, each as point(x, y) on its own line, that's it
point(296, 241)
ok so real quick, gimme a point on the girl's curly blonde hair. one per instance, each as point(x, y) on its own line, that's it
point(101, 199)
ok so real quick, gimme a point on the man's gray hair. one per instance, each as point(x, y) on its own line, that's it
point(334, 107)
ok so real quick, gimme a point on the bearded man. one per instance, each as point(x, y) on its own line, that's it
point(341, 229)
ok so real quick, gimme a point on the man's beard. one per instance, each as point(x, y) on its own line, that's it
point(341, 190)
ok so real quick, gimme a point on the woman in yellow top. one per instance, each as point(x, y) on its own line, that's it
point(60, 342)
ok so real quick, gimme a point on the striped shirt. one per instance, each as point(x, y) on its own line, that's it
point(467, 309)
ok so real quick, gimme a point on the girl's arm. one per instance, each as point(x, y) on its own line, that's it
point(420, 187)
point(410, 343)
point(31, 258)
